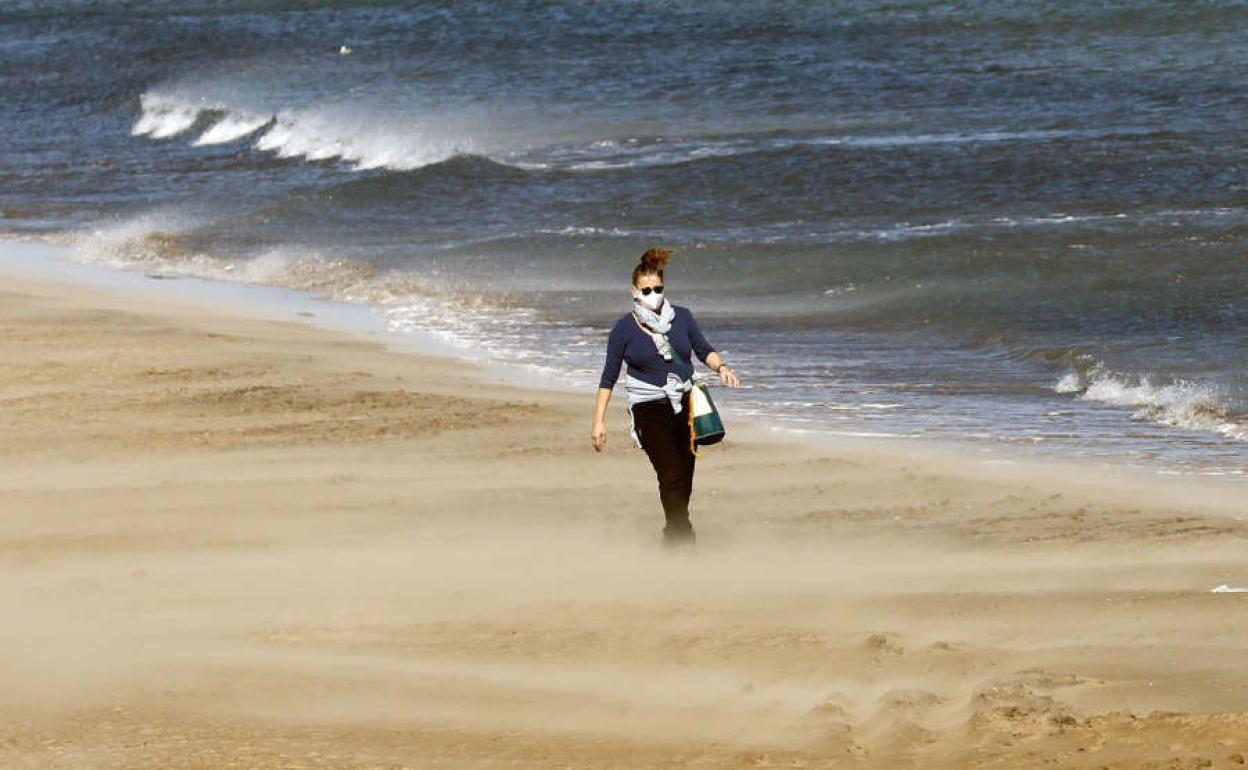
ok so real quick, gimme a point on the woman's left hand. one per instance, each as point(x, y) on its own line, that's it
point(728, 377)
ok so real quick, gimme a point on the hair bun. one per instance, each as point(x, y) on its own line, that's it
point(654, 259)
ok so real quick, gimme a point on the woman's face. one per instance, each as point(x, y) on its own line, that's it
point(649, 291)
point(648, 281)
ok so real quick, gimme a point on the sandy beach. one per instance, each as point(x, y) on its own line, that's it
point(236, 542)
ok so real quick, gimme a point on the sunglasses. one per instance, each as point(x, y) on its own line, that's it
point(656, 289)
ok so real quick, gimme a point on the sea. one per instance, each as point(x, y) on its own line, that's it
point(1010, 225)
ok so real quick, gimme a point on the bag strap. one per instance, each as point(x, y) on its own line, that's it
point(693, 433)
point(681, 359)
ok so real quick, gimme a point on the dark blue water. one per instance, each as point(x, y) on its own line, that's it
point(1022, 223)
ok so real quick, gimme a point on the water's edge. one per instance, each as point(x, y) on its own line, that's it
point(42, 260)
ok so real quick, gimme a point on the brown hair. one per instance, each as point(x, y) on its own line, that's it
point(651, 263)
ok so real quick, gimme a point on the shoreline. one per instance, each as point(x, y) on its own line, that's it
point(232, 539)
point(49, 259)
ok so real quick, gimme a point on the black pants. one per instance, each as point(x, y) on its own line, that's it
point(664, 435)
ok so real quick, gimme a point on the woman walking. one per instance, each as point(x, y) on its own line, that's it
point(656, 340)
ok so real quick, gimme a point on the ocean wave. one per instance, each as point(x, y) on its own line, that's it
point(390, 186)
point(1177, 404)
point(801, 233)
point(167, 243)
point(645, 152)
point(163, 118)
point(150, 239)
point(492, 323)
point(361, 138)
point(902, 231)
point(231, 127)
point(370, 137)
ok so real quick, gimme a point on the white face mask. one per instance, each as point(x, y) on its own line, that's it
point(652, 300)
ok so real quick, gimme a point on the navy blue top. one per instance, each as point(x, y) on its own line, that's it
point(630, 344)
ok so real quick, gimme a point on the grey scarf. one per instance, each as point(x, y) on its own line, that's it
point(657, 325)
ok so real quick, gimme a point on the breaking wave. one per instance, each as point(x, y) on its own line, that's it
point(231, 127)
point(1177, 404)
point(370, 137)
point(166, 244)
point(358, 137)
point(164, 118)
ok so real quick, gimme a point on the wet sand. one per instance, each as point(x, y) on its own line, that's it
point(236, 542)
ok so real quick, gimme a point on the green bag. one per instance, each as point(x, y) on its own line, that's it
point(705, 425)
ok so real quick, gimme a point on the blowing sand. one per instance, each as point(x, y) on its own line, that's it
point(230, 542)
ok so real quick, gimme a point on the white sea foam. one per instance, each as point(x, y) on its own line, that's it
point(142, 241)
point(1178, 404)
point(232, 127)
point(159, 242)
point(607, 155)
point(362, 140)
point(365, 138)
point(613, 232)
point(1071, 382)
point(905, 140)
point(164, 117)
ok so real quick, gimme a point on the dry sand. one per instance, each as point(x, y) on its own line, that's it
point(230, 542)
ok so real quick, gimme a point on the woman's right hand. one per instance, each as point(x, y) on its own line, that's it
point(598, 435)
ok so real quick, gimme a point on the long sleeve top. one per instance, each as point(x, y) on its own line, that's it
point(630, 344)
